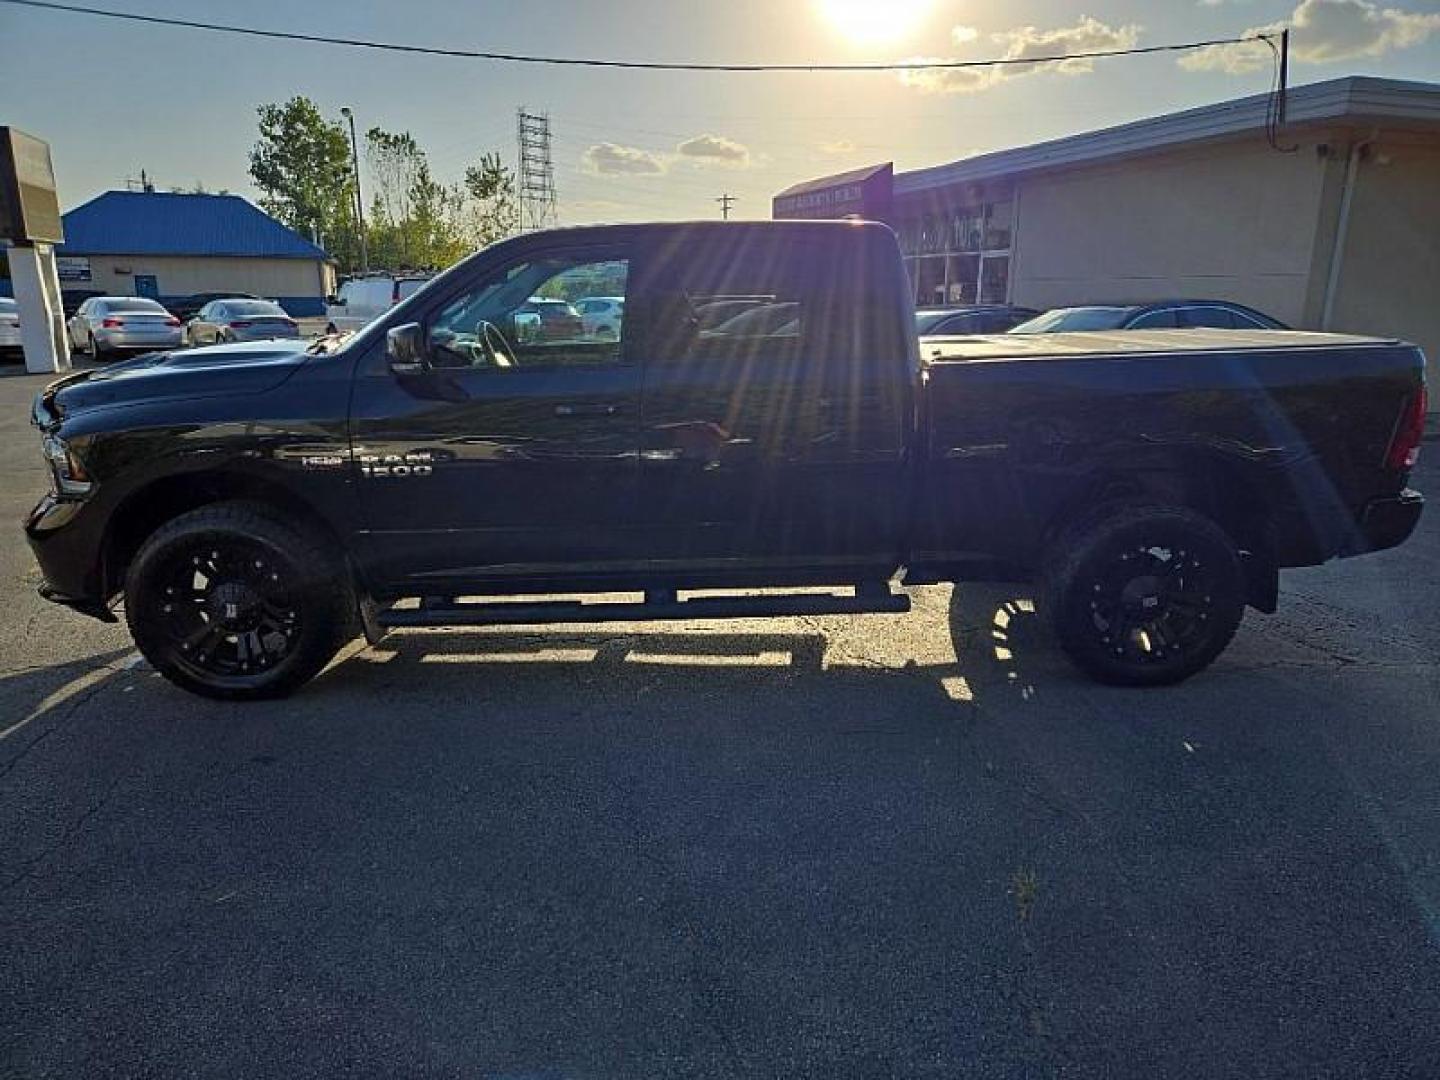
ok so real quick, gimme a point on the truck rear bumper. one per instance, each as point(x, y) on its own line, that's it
point(1384, 523)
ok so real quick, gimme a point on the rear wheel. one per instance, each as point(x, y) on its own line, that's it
point(92, 347)
point(231, 602)
point(1144, 595)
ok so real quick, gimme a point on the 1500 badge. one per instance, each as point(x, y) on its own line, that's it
point(397, 466)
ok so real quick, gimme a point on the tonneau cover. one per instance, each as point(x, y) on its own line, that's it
point(1128, 342)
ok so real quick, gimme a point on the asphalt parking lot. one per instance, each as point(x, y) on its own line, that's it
point(880, 846)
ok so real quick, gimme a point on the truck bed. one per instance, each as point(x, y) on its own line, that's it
point(1284, 429)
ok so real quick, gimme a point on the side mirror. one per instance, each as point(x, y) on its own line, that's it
point(405, 349)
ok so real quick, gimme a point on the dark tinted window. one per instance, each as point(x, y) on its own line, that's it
point(1161, 319)
point(255, 309)
point(827, 295)
point(133, 305)
point(1216, 318)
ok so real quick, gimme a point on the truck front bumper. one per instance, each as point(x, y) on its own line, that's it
point(1387, 522)
point(67, 546)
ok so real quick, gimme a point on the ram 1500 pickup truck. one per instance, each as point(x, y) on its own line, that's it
point(764, 421)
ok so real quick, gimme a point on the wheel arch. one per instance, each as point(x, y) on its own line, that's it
point(1228, 490)
point(151, 506)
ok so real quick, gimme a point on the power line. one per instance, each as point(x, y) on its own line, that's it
point(630, 65)
point(726, 201)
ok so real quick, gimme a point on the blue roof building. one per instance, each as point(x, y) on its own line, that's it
point(166, 245)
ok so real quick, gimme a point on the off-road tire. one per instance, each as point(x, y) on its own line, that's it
point(1096, 584)
point(312, 590)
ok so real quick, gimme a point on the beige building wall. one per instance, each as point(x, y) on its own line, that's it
point(182, 275)
point(1230, 221)
point(1389, 274)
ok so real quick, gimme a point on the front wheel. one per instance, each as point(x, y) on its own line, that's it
point(1144, 595)
point(230, 602)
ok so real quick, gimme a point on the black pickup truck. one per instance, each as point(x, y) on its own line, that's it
point(763, 419)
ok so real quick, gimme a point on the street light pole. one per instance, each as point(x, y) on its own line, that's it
point(359, 198)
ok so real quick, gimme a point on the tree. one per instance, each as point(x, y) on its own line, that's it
point(417, 221)
point(302, 166)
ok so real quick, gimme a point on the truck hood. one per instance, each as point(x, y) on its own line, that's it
point(221, 370)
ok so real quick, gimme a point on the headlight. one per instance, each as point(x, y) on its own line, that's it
point(69, 472)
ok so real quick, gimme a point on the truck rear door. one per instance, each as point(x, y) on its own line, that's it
point(777, 397)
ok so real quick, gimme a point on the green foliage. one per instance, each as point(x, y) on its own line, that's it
point(301, 164)
point(418, 222)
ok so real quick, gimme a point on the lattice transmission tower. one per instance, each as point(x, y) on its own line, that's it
point(537, 171)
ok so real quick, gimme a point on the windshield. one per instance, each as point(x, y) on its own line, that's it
point(1063, 320)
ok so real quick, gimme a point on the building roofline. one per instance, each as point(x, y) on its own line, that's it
point(1354, 98)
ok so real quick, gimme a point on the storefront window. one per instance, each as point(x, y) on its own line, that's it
point(994, 279)
point(967, 228)
point(964, 279)
point(999, 219)
point(930, 281)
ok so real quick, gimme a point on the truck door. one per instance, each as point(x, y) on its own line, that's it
point(515, 453)
point(777, 398)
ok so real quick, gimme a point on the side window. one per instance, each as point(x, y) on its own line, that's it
point(729, 302)
point(1163, 319)
point(1213, 317)
point(523, 317)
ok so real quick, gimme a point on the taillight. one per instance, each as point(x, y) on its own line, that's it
point(1409, 432)
point(239, 325)
point(172, 321)
point(112, 323)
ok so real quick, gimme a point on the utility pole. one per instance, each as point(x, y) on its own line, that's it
point(359, 198)
point(725, 202)
point(537, 170)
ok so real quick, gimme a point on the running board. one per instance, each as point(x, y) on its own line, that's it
point(443, 611)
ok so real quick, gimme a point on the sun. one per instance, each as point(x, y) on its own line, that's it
point(874, 22)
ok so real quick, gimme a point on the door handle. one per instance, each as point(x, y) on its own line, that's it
point(587, 410)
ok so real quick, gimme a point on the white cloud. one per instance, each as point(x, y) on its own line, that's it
point(838, 148)
point(1323, 31)
point(610, 159)
point(714, 149)
point(963, 35)
point(1025, 43)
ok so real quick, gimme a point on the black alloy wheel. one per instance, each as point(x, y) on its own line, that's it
point(231, 602)
point(1145, 596)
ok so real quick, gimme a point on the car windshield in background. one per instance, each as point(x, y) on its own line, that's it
point(409, 287)
point(255, 308)
point(8, 305)
point(1063, 320)
point(138, 304)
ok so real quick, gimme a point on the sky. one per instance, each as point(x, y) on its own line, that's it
point(113, 98)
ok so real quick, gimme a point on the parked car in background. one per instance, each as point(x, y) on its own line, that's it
point(71, 299)
point(190, 306)
point(601, 316)
point(541, 319)
point(240, 319)
point(10, 344)
point(364, 298)
point(105, 325)
point(970, 319)
point(764, 320)
point(1159, 315)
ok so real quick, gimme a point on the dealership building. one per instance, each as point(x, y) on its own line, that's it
point(1330, 221)
point(167, 246)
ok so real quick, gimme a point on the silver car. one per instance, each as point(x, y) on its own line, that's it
point(10, 343)
point(105, 325)
point(240, 320)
